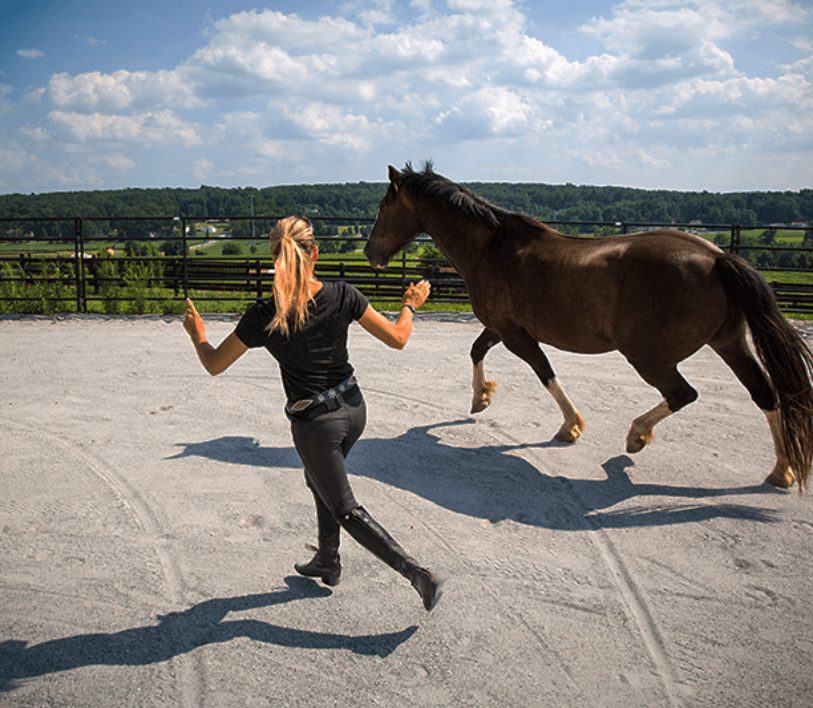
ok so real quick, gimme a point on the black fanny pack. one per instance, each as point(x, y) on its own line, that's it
point(328, 400)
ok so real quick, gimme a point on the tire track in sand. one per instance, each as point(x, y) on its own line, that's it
point(630, 591)
point(145, 518)
point(631, 594)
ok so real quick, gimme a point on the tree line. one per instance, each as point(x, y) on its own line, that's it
point(554, 203)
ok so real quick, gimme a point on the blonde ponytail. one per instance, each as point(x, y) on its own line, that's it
point(291, 244)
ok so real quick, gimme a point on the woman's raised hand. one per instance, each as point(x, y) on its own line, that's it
point(417, 294)
point(193, 323)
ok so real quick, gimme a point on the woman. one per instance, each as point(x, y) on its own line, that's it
point(304, 327)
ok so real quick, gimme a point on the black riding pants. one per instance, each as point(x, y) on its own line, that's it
point(323, 442)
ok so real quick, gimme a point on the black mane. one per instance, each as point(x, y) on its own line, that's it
point(441, 190)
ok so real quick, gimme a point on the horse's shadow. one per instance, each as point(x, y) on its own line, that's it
point(490, 482)
point(178, 633)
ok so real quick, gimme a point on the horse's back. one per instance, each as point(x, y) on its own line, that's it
point(684, 237)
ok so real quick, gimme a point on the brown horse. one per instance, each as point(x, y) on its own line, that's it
point(656, 297)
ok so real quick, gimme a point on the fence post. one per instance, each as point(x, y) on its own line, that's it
point(403, 273)
point(185, 257)
point(734, 246)
point(259, 281)
point(81, 278)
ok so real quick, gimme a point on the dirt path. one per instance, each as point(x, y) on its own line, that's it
point(151, 516)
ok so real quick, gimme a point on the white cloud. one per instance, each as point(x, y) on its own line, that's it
point(331, 125)
point(30, 53)
point(658, 27)
point(422, 6)
point(501, 8)
point(659, 42)
point(804, 44)
point(5, 98)
point(380, 13)
point(36, 134)
point(489, 111)
point(35, 95)
point(148, 128)
point(803, 67)
point(118, 162)
point(119, 91)
point(203, 169)
point(250, 130)
point(13, 159)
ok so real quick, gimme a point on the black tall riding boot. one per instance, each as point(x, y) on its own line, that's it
point(374, 537)
point(326, 563)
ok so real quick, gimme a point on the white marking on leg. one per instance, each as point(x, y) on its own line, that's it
point(482, 390)
point(479, 377)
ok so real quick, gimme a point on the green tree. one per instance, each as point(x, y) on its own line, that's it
point(173, 247)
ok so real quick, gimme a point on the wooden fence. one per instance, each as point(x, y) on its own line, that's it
point(80, 282)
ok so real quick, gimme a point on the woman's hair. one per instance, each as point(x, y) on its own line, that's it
point(291, 245)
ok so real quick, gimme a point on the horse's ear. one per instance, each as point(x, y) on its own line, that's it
point(395, 177)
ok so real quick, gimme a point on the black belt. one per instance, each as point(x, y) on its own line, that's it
point(327, 400)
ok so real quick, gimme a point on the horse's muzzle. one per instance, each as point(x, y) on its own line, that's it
point(375, 258)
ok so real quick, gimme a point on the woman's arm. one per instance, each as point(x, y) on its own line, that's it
point(396, 334)
point(214, 359)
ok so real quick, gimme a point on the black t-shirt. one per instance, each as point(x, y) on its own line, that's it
point(314, 358)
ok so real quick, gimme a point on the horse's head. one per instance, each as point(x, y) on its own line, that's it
point(395, 224)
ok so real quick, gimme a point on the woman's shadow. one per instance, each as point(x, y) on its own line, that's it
point(492, 482)
point(178, 633)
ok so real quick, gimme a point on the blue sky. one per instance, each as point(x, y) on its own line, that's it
point(659, 94)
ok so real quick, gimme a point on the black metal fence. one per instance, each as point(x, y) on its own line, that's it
point(68, 265)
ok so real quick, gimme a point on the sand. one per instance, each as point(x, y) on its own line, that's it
point(151, 516)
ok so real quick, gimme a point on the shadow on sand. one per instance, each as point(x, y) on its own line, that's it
point(178, 633)
point(492, 482)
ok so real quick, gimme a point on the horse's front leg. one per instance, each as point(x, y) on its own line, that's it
point(482, 389)
point(519, 342)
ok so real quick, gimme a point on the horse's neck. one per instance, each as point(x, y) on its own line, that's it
point(462, 240)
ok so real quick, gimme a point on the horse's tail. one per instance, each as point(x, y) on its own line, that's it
point(784, 354)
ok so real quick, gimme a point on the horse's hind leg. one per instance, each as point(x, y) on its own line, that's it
point(745, 367)
point(677, 393)
point(482, 390)
point(527, 348)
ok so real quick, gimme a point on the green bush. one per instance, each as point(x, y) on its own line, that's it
point(137, 286)
point(10, 287)
point(50, 292)
point(108, 279)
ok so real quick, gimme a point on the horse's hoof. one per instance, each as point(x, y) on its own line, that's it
point(478, 406)
point(638, 443)
point(782, 478)
point(570, 435)
point(634, 446)
point(482, 398)
point(571, 432)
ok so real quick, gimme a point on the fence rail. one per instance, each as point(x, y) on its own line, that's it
point(61, 269)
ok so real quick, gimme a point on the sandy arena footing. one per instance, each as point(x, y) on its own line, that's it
point(151, 516)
